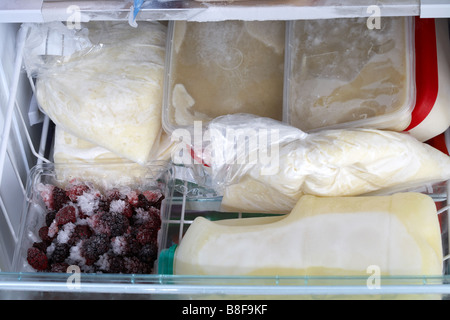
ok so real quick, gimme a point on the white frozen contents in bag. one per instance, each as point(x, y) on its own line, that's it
point(111, 93)
point(71, 149)
point(340, 162)
point(83, 159)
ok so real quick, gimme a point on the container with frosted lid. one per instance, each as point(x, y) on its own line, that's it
point(218, 68)
point(340, 73)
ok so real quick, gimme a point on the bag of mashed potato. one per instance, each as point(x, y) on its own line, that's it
point(262, 165)
point(102, 83)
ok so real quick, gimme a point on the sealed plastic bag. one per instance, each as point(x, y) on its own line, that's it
point(105, 85)
point(262, 165)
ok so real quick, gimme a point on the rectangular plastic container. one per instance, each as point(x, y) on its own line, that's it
point(213, 69)
point(340, 73)
point(103, 177)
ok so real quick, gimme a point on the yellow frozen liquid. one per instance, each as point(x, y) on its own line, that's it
point(399, 234)
point(344, 72)
point(226, 67)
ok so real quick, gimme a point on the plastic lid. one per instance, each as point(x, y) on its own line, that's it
point(165, 261)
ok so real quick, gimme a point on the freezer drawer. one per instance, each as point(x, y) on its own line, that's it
point(23, 145)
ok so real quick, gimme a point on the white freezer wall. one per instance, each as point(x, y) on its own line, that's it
point(18, 157)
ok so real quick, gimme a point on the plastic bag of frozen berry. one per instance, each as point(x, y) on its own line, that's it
point(92, 217)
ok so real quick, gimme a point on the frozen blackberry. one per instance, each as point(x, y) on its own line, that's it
point(95, 246)
point(43, 234)
point(76, 190)
point(60, 253)
point(143, 202)
point(114, 264)
point(149, 253)
point(60, 198)
point(80, 232)
point(60, 267)
point(37, 259)
point(110, 223)
point(147, 233)
point(134, 265)
point(117, 223)
point(41, 246)
point(65, 215)
point(49, 217)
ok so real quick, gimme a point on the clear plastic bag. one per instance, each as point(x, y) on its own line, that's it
point(102, 83)
point(341, 162)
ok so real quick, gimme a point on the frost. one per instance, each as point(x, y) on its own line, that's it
point(119, 245)
point(117, 206)
point(50, 249)
point(75, 256)
point(141, 216)
point(88, 203)
point(103, 262)
point(53, 229)
point(65, 233)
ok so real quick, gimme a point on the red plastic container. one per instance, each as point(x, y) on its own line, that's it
point(431, 114)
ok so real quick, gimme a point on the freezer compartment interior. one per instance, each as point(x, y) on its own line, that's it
point(35, 142)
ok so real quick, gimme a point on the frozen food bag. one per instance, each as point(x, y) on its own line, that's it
point(75, 157)
point(258, 163)
point(322, 236)
point(102, 83)
point(71, 149)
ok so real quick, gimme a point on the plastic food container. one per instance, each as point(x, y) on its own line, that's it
point(213, 69)
point(154, 178)
point(431, 115)
point(340, 73)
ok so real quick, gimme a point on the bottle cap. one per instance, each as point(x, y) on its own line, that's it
point(165, 261)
